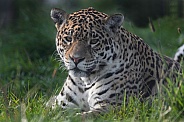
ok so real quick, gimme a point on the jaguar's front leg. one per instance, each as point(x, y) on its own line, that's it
point(99, 105)
point(68, 96)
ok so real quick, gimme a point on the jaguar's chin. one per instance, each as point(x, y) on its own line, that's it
point(79, 73)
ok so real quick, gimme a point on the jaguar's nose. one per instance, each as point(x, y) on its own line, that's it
point(76, 59)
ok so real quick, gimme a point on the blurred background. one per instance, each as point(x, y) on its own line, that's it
point(27, 36)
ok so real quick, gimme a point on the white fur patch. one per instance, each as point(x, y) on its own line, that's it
point(179, 53)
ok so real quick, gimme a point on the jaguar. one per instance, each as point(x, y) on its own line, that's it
point(105, 62)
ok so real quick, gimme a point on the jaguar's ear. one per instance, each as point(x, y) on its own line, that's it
point(113, 22)
point(58, 16)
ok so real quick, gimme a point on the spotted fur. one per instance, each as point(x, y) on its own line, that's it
point(105, 62)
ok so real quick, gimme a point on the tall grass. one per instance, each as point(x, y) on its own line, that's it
point(168, 106)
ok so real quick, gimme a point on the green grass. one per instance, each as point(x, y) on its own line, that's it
point(30, 75)
point(166, 107)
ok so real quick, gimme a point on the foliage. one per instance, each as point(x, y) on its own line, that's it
point(140, 11)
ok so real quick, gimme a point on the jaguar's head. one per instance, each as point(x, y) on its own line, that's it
point(86, 40)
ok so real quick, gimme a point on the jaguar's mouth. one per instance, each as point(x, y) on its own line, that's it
point(76, 72)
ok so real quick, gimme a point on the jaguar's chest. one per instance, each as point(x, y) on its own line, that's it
point(111, 88)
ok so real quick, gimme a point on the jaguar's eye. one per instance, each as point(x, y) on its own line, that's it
point(67, 40)
point(93, 41)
